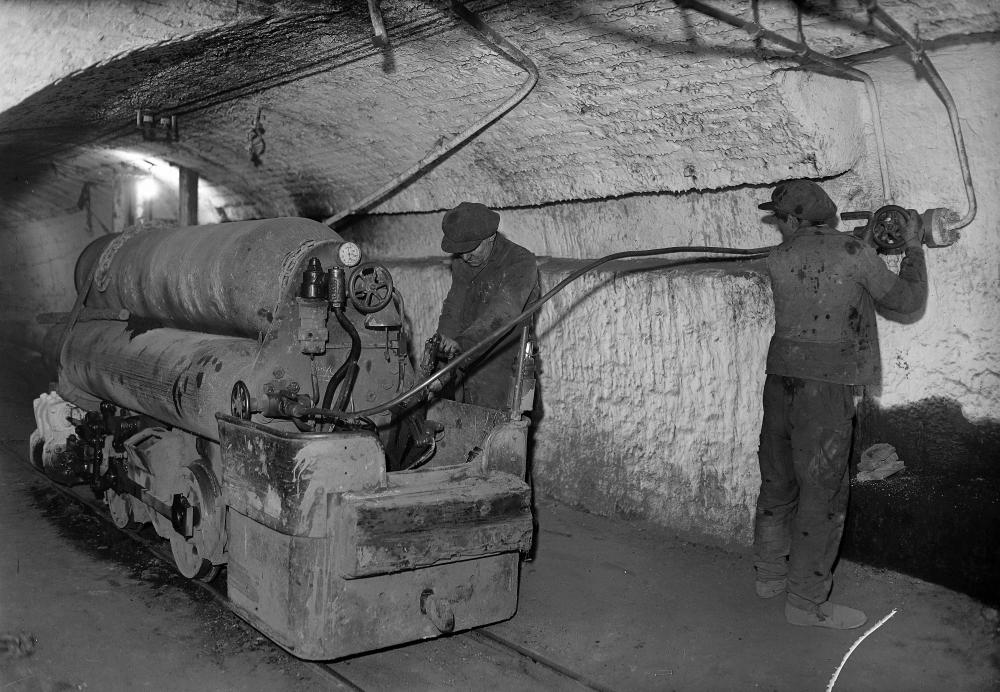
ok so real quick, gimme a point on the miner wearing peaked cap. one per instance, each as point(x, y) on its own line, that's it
point(826, 286)
point(492, 280)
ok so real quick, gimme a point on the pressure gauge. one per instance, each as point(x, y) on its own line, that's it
point(350, 254)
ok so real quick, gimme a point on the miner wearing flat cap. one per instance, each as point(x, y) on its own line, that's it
point(492, 280)
point(826, 286)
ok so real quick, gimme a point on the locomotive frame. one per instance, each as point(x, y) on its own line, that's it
point(193, 377)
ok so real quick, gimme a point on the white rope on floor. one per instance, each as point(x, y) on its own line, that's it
point(874, 627)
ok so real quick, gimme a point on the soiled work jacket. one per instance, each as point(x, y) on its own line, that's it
point(826, 285)
point(480, 300)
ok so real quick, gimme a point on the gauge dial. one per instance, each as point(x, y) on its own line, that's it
point(350, 254)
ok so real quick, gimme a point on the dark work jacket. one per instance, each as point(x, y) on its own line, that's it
point(480, 300)
point(826, 285)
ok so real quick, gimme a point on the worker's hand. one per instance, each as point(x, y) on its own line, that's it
point(449, 346)
point(438, 384)
point(914, 232)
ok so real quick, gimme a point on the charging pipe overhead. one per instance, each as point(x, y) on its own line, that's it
point(920, 57)
point(351, 416)
point(502, 47)
point(950, 222)
point(804, 54)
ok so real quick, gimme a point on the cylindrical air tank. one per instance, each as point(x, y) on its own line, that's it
point(208, 305)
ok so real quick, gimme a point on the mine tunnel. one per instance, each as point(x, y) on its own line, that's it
point(223, 146)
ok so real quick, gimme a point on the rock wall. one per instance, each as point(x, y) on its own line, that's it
point(953, 351)
point(651, 376)
point(77, 35)
point(36, 276)
point(651, 372)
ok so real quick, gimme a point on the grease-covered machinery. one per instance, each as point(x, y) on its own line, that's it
point(212, 380)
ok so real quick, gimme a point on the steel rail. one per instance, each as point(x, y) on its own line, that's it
point(535, 657)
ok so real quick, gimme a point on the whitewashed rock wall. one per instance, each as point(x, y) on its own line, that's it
point(649, 389)
point(36, 275)
point(953, 351)
point(651, 380)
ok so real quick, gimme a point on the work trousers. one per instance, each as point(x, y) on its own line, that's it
point(805, 442)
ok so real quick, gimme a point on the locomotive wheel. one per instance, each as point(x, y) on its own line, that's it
point(192, 555)
point(120, 509)
point(37, 449)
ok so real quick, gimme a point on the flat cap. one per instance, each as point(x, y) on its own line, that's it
point(467, 225)
point(803, 199)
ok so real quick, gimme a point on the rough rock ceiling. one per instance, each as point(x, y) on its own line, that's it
point(627, 90)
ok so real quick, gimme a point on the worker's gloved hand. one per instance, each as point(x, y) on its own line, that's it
point(914, 232)
point(438, 384)
point(449, 346)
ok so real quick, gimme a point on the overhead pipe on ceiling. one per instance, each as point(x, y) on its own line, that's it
point(804, 54)
point(920, 57)
point(502, 47)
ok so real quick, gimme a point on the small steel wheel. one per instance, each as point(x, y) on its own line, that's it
point(189, 562)
point(193, 555)
point(36, 451)
point(120, 508)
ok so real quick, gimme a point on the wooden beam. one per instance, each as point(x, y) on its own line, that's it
point(187, 187)
point(123, 202)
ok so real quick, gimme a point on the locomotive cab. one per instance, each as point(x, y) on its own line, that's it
point(246, 388)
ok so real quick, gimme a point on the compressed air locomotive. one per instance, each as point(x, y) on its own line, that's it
point(225, 383)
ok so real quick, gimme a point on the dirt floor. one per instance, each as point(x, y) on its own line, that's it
point(627, 604)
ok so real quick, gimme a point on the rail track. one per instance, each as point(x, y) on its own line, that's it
point(520, 664)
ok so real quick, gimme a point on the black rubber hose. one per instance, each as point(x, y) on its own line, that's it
point(345, 392)
point(343, 370)
point(752, 253)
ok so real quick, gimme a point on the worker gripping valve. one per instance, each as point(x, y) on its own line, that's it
point(432, 358)
point(885, 227)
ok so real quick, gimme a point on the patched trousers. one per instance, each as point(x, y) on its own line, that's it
point(805, 442)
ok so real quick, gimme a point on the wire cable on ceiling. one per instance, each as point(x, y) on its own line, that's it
point(804, 54)
point(345, 54)
point(502, 47)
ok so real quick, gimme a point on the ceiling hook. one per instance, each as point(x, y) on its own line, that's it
point(256, 146)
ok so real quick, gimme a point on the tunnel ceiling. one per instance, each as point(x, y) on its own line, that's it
point(632, 97)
